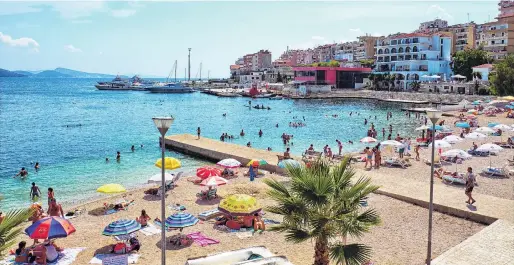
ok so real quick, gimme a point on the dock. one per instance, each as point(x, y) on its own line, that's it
point(446, 199)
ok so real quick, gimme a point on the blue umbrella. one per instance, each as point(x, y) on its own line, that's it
point(476, 103)
point(288, 162)
point(462, 125)
point(492, 124)
point(181, 220)
point(437, 128)
point(509, 106)
point(50, 227)
point(121, 227)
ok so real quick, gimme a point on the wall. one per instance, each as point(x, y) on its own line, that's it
point(484, 72)
point(330, 76)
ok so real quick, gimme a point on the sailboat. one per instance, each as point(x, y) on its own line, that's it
point(170, 87)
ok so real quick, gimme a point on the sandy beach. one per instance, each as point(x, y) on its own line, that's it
point(400, 239)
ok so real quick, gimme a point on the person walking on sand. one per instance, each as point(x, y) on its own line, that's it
point(198, 131)
point(416, 150)
point(55, 209)
point(369, 157)
point(34, 191)
point(340, 146)
point(378, 157)
point(470, 184)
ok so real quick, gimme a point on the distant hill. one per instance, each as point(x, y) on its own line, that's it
point(79, 74)
point(7, 73)
point(26, 73)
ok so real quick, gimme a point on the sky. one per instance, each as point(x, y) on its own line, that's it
point(143, 37)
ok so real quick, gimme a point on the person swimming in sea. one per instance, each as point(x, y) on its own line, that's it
point(242, 133)
point(23, 173)
point(133, 148)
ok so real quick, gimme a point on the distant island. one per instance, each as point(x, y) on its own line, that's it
point(56, 73)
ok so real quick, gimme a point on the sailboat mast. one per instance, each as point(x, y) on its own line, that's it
point(185, 74)
point(208, 74)
point(200, 71)
point(176, 70)
point(189, 64)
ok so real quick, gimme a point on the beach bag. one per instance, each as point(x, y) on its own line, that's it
point(120, 248)
point(134, 244)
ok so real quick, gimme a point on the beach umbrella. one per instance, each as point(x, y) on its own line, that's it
point(425, 76)
point(435, 76)
point(181, 220)
point(475, 135)
point(229, 163)
point(257, 162)
point(502, 127)
point(111, 188)
point(462, 125)
point(476, 102)
point(121, 227)
point(289, 162)
point(484, 130)
point(452, 139)
point(492, 124)
point(437, 128)
point(422, 128)
point(239, 205)
point(391, 143)
point(207, 171)
point(368, 140)
point(458, 153)
point(509, 106)
point(509, 98)
point(458, 76)
point(170, 163)
point(49, 228)
point(440, 144)
point(489, 148)
point(157, 178)
point(213, 181)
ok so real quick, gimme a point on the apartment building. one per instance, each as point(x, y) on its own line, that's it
point(463, 36)
point(432, 26)
point(497, 37)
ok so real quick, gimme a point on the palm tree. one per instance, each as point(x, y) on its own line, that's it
point(416, 85)
point(9, 229)
point(323, 204)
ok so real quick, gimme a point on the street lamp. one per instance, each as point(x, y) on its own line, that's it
point(434, 116)
point(163, 124)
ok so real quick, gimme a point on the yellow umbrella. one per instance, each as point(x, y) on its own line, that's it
point(239, 204)
point(509, 98)
point(170, 163)
point(111, 188)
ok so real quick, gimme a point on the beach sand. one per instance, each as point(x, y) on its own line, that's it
point(400, 239)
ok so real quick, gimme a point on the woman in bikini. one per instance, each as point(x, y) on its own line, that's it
point(143, 218)
point(23, 255)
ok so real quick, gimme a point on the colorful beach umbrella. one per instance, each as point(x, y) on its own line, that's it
point(492, 124)
point(437, 127)
point(368, 140)
point(111, 188)
point(475, 135)
point(472, 111)
point(289, 162)
point(509, 106)
point(49, 228)
point(462, 125)
point(121, 227)
point(257, 162)
point(452, 139)
point(207, 171)
point(229, 163)
point(157, 178)
point(181, 220)
point(170, 163)
point(213, 181)
point(239, 205)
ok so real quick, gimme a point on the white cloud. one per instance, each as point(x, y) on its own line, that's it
point(437, 10)
point(13, 8)
point(377, 34)
point(317, 38)
point(356, 30)
point(123, 12)
point(79, 9)
point(21, 42)
point(71, 48)
point(84, 21)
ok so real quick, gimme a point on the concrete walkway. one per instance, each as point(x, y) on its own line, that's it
point(486, 210)
point(493, 245)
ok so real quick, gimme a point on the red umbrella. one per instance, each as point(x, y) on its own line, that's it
point(50, 227)
point(205, 172)
point(214, 181)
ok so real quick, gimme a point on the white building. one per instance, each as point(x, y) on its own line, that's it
point(253, 77)
point(484, 70)
point(433, 25)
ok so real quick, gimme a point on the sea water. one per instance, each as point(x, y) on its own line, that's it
point(70, 128)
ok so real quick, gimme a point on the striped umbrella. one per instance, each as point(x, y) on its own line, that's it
point(229, 163)
point(289, 162)
point(121, 227)
point(213, 181)
point(50, 227)
point(205, 172)
point(181, 220)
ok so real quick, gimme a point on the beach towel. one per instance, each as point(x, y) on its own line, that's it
point(150, 230)
point(66, 257)
point(201, 239)
point(243, 235)
point(271, 222)
point(97, 259)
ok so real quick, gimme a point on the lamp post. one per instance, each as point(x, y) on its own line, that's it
point(434, 116)
point(163, 124)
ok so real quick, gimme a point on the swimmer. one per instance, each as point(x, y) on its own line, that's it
point(36, 166)
point(23, 173)
point(132, 148)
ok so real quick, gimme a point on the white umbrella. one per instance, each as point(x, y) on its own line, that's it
point(457, 153)
point(502, 127)
point(475, 135)
point(368, 140)
point(157, 178)
point(391, 143)
point(422, 128)
point(452, 139)
point(425, 76)
point(458, 76)
point(440, 144)
point(484, 130)
point(229, 163)
point(489, 148)
point(435, 76)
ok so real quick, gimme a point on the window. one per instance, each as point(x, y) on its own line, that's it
point(386, 50)
point(400, 50)
point(407, 49)
point(394, 42)
point(380, 51)
point(441, 41)
point(503, 41)
point(503, 34)
point(493, 35)
point(492, 42)
point(415, 49)
point(393, 50)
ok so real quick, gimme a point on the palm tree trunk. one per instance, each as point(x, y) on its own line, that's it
point(321, 252)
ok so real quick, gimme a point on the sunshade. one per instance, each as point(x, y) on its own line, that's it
point(391, 143)
point(258, 162)
point(50, 227)
point(229, 163)
point(503, 127)
point(239, 204)
point(213, 181)
point(476, 103)
point(435, 76)
point(207, 171)
point(425, 76)
point(289, 162)
point(440, 144)
point(437, 128)
point(458, 76)
point(368, 140)
point(456, 153)
point(170, 163)
point(462, 125)
point(422, 128)
point(509, 106)
point(475, 135)
point(509, 98)
point(489, 148)
point(111, 188)
point(452, 139)
point(180, 220)
point(121, 227)
point(484, 130)
point(492, 124)
point(157, 178)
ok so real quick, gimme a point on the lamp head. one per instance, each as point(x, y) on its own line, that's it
point(434, 115)
point(163, 123)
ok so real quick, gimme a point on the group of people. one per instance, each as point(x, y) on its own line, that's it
point(23, 173)
point(297, 124)
point(373, 154)
point(132, 149)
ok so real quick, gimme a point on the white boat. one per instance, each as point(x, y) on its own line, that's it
point(116, 84)
point(171, 87)
point(253, 255)
point(276, 98)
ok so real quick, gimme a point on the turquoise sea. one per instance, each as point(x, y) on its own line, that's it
point(70, 127)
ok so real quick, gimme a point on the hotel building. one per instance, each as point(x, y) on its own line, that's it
point(497, 38)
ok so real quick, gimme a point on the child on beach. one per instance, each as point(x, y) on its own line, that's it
point(50, 195)
point(143, 218)
point(34, 191)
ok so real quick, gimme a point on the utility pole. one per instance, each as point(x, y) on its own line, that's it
point(189, 65)
point(468, 17)
point(185, 74)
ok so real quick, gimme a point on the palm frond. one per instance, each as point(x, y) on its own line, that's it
point(369, 217)
point(297, 235)
point(8, 228)
point(351, 254)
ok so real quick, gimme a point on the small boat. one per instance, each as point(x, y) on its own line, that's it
point(276, 98)
point(263, 96)
point(227, 94)
point(116, 84)
point(171, 87)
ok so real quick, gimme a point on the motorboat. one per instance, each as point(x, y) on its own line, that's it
point(254, 255)
point(169, 87)
point(116, 84)
point(276, 98)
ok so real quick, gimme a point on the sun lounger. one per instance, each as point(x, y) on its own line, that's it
point(98, 258)
point(209, 214)
point(437, 161)
point(454, 179)
point(477, 153)
point(150, 230)
point(495, 171)
point(208, 195)
point(396, 162)
point(504, 144)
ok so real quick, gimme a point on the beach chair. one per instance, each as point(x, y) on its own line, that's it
point(208, 195)
point(395, 162)
point(477, 153)
point(495, 171)
point(459, 179)
point(437, 161)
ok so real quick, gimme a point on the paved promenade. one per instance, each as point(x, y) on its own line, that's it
point(447, 200)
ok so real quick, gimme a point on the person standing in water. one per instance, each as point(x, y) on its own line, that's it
point(34, 191)
point(198, 132)
point(118, 156)
point(132, 148)
point(36, 167)
point(23, 173)
point(260, 133)
point(50, 195)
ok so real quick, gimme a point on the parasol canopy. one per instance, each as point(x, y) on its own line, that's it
point(170, 163)
point(49, 228)
point(440, 144)
point(368, 140)
point(207, 171)
point(452, 139)
point(157, 178)
point(229, 163)
point(257, 162)
point(111, 188)
point(121, 227)
point(181, 220)
point(475, 135)
point(239, 204)
point(289, 162)
point(213, 181)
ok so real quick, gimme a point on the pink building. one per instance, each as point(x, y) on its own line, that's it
point(339, 77)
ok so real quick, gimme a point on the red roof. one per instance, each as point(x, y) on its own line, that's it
point(235, 67)
point(487, 65)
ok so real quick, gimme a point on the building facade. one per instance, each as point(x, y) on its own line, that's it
point(432, 26)
point(497, 38)
point(338, 77)
point(411, 56)
point(464, 36)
